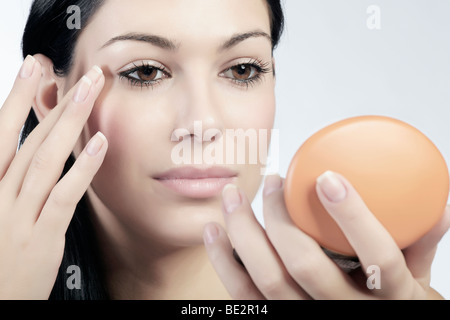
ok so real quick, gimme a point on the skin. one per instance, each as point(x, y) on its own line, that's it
point(157, 244)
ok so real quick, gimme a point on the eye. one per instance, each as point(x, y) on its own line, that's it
point(247, 74)
point(145, 75)
point(242, 72)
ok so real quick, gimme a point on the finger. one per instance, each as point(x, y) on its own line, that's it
point(370, 240)
point(15, 110)
point(304, 259)
point(255, 250)
point(234, 277)
point(48, 161)
point(16, 173)
point(60, 206)
point(419, 256)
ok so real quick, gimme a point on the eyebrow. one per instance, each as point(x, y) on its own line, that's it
point(167, 44)
point(238, 38)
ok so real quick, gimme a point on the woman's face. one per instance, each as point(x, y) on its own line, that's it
point(182, 78)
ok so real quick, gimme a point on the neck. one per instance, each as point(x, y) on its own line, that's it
point(183, 274)
point(140, 269)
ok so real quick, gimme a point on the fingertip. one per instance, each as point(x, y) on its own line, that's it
point(37, 63)
point(210, 233)
point(232, 198)
point(97, 69)
point(441, 228)
point(332, 187)
point(27, 69)
point(95, 144)
point(272, 183)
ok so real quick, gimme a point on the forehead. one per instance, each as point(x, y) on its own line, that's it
point(187, 22)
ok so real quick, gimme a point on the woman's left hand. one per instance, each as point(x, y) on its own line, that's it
point(282, 262)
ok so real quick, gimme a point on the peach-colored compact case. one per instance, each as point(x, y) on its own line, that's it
point(400, 174)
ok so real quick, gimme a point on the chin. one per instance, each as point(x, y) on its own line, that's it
point(179, 226)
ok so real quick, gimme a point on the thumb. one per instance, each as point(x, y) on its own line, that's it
point(419, 256)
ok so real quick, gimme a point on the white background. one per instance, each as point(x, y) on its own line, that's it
point(330, 66)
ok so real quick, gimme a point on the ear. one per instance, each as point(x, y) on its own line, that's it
point(47, 95)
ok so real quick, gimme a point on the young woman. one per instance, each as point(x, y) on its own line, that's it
point(117, 96)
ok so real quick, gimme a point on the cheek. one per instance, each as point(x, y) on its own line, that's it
point(254, 115)
point(255, 110)
point(117, 125)
point(138, 126)
point(133, 129)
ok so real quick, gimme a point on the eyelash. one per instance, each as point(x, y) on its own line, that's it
point(260, 67)
point(140, 83)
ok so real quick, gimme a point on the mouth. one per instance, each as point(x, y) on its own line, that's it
point(198, 183)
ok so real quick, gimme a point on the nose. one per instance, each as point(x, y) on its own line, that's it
point(198, 111)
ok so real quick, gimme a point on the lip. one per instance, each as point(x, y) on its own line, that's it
point(195, 182)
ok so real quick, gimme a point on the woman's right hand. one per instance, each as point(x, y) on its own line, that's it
point(36, 209)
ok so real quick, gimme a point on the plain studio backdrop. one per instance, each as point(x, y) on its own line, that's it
point(338, 59)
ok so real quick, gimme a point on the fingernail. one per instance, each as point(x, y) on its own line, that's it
point(83, 90)
point(272, 184)
point(211, 233)
point(95, 144)
point(332, 186)
point(27, 67)
point(99, 72)
point(231, 198)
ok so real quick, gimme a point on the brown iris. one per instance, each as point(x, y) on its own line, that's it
point(147, 73)
point(242, 72)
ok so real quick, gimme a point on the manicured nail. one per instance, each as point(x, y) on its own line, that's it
point(272, 184)
point(27, 67)
point(231, 198)
point(211, 233)
point(95, 144)
point(98, 69)
point(332, 186)
point(99, 73)
point(83, 90)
